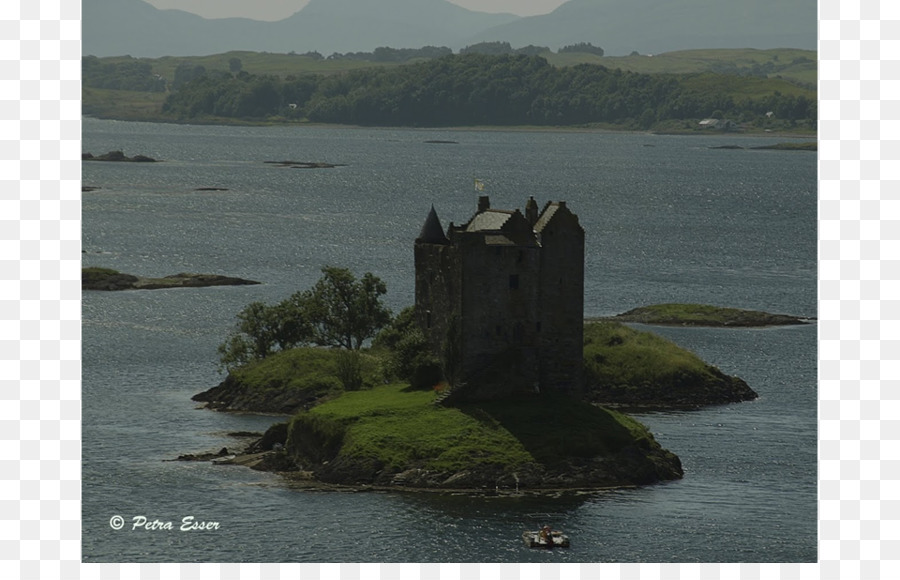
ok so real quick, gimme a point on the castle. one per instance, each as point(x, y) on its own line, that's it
point(500, 299)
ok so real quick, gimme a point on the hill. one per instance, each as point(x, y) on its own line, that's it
point(649, 26)
point(133, 27)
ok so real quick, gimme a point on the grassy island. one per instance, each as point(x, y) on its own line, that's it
point(638, 370)
point(705, 315)
point(93, 278)
point(395, 437)
point(381, 433)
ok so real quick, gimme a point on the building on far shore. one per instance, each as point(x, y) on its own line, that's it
point(500, 299)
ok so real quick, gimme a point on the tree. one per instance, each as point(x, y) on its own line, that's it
point(409, 356)
point(235, 65)
point(582, 47)
point(339, 311)
point(262, 330)
point(343, 311)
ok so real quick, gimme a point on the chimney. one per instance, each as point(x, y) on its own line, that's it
point(484, 203)
point(531, 211)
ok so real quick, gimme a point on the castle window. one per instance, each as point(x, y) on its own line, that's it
point(513, 281)
point(428, 319)
point(538, 326)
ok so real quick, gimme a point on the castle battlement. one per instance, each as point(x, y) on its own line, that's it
point(500, 299)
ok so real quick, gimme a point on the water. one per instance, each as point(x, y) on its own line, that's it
point(667, 219)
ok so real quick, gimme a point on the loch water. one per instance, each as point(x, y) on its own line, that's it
point(667, 219)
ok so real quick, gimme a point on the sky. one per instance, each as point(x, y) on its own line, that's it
point(279, 9)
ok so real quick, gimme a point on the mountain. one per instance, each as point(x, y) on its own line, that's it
point(655, 26)
point(362, 25)
point(119, 27)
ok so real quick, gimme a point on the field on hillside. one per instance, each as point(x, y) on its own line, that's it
point(788, 63)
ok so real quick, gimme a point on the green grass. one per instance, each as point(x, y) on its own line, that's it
point(94, 273)
point(698, 61)
point(615, 354)
point(123, 105)
point(308, 369)
point(402, 428)
point(739, 87)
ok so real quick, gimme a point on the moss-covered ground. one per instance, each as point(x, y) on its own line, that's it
point(638, 369)
point(400, 428)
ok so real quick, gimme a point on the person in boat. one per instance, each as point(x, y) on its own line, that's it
point(545, 536)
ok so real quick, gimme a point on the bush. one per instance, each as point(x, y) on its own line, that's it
point(349, 370)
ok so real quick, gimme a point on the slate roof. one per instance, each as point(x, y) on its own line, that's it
point(489, 220)
point(546, 216)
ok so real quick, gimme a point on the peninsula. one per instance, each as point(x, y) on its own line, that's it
point(93, 278)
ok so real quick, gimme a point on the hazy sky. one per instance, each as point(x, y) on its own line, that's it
point(278, 9)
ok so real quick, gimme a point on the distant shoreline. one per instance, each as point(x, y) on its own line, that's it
point(464, 128)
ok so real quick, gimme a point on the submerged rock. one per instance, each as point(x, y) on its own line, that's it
point(305, 164)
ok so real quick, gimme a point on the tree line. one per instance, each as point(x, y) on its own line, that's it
point(473, 89)
point(125, 75)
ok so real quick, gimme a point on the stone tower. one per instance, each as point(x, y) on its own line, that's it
point(501, 299)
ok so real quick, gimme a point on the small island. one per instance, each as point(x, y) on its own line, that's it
point(305, 164)
point(488, 384)
point(93, 278)
point(117, 156)
point(396, 437)
point(788, 146)
point(705, 315)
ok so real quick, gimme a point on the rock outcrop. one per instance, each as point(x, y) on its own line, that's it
point(111, 280)
point(117, 156)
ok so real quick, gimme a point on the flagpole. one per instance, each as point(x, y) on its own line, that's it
point(479, 187)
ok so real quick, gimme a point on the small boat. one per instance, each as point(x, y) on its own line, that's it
point(533, 539)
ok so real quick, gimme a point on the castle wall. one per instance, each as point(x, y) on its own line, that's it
point(438, 285)
point(499, 317)
point(562, 301)
point(502, 299)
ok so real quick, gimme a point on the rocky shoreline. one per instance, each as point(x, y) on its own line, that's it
point(110, 280)
point(682, 393)
point(641, 464)
point(705, 316)
point(232, 395)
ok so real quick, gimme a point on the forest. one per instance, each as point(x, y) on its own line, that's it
point(487, 89)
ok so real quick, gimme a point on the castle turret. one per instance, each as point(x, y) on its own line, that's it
point(432, 232)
